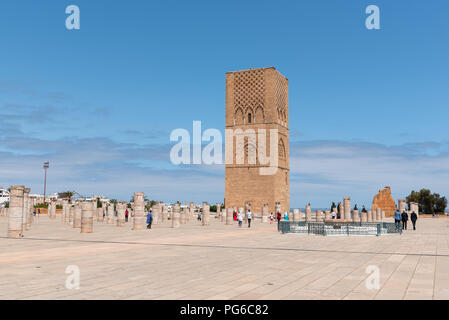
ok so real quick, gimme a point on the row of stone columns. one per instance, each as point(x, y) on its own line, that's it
point(20, 211)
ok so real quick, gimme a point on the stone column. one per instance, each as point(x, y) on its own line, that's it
point(77, 216)
point(378, 214)
point(364, 216)
point(191, 210)
point(164, 213)
point(277, 208)
point(26, 207)
point(182, 216)
point(229, 217)
point(87, 219)
point(414, 207)
point(175, 218)
point(15, 212)
point(223, 215)
point(111, 213)
point(347, 208)
point(308, 213)
point(355, 216)
point(401, 205)
point(139, 209)
point(265, 213)
point(218, 210)
point(327, 215)
point(52, 209)
point(205, 219)
point(30, 213)
point(71, 213)
point(341, 209)
point(100, 217)
point(94, 210)
point(247, 208)
point(65, 210)
point(319, 216)
point(121, 208)
point(296, 217)
point(155, 212)
point(370, 216)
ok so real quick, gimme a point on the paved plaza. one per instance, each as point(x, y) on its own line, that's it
point(221, 262)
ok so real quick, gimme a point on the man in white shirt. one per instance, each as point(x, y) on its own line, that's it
point(250, 216)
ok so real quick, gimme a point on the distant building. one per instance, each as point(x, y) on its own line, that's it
point(4, 196)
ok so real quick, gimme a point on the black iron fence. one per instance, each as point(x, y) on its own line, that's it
point(340, 228)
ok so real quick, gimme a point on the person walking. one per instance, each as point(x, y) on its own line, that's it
point(285, 216)
point(333, 215)
point(404, 220)
point(271, 218)
point(250, 216)
point(34, 212)
point(397, 220)
point(126, 215)
point(38, 212)
point(240, 219)
point(199, 215)
point(149, 219)
point(414, 217)
point(278, 217)
point(234, 215)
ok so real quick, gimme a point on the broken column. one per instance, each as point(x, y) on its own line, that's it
point(401, 205)
point(155, 212)
point(30, 213)
point(218, 210)
point(71, 213)
point(77, 216)
point(205, 218)
point(15, 212)
point(229, 216)
point(347, 208)
point(100, 213)
point(414, 207)
point(319, 216)
point(378, 215)
point(111, 213)
point(94, 210)
point(182, 216)
point(175, 218)
point(139, 209)
point(52, 209)
point(121, 208)
point(164, 213)
point(308, 213)
point(355, 216)
point(327, 215)
point(370, 216)
point(87, 219)
point(364, 216)
point(26, 207)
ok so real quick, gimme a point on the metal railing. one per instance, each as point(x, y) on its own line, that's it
point(340, 228)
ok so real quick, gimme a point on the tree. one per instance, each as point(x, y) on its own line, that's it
point(333, 206)
point(355, 207)
point(428, 203)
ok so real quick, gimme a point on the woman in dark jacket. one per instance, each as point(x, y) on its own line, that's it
point(404, 220)
point(414, 217)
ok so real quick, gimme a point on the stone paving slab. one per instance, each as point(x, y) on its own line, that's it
point(221, 262)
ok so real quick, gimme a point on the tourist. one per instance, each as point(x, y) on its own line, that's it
point(234, 214)
point(333, 215)
point(149, 219)
point(285, 216)
point(199, 215)
point(126, 215)
point(271, 218)
point(278, 217)
point(397, 219)
point(240, 219)
point(34, 212)
point(250, 216)
point(38, 212)
point(404, 220)
point(414, 217)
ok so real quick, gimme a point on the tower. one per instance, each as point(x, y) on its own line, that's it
point(256, 99)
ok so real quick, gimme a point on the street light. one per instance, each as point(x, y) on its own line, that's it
point(46, 166)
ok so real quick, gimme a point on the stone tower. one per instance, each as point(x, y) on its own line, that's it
point(256, 99)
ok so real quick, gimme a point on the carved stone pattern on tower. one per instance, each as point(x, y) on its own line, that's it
point(249, 89)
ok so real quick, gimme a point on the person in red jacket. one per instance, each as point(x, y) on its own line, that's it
point(278, 217)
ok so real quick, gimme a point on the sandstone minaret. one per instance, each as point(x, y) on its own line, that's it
point(256, 99)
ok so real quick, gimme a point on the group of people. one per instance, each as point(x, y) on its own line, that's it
point(238, 216)
point(403, 217)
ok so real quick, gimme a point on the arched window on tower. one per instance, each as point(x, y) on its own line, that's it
point(249, 117)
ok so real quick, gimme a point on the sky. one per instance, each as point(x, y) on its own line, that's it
point(368, 108)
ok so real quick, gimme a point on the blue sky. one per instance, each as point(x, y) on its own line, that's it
point(368, 108)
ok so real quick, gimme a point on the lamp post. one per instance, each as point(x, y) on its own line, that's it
point(46, 166)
